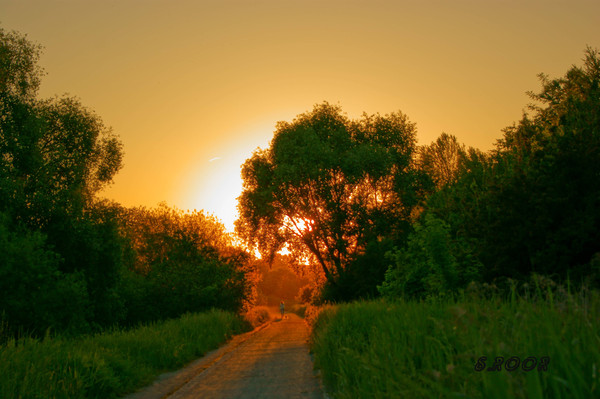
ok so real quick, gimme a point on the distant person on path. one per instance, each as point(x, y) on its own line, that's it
point(282, 308)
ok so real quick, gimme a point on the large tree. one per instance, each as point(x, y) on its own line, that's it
point(328, 186)
point(55, 155)
point(549, 186)
point(186, 257)
point(533, 203)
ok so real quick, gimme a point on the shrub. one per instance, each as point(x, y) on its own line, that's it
point(34, 295)
point(428, 265)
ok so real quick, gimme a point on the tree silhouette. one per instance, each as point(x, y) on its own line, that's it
point(55, 155)
point(328, 185)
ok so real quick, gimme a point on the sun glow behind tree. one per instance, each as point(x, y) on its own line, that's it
point(328, 187)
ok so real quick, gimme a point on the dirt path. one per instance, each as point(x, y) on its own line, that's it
point(272, 362)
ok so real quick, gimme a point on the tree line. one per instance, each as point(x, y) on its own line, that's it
point(362, 209)
point(71, 262)
point(372, 213)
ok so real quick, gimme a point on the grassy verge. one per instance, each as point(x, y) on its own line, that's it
point(258, 315)
point(430, 350)
point(111, 364)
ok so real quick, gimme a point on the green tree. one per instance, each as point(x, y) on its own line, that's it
point(20, 73)
point(550, 180)
point(531, 205)
point(328, 186)
point(441, 159)
point(431, 264)
point(55, 155)
point(34, 294)
point(182, 262)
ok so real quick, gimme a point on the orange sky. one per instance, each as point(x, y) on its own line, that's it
point(193, 87)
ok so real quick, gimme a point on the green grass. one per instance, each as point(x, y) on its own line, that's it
point(111, 364)
point(429, 349)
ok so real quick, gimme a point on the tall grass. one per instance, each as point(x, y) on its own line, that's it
point(429, 349)
point(111, 364)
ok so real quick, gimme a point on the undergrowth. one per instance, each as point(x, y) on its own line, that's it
point(111, 364)
point(433, 349)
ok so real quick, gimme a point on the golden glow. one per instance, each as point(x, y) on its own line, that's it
point(186, 82)
point(213, 181)
point(216, 189)
point(297, 226)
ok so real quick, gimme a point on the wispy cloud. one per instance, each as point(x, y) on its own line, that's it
point(214, 159)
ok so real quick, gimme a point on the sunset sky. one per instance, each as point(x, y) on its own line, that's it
point(193, 87)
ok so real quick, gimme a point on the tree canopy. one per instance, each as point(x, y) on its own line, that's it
point(55, 153)
point(529, 206)
point(328, 186)
point(441, 159)
point(20, 73)
point(185, 257)
point(70, 261)
point(549, 180)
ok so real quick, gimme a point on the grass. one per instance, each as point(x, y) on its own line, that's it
point(258, 315)
point(430, 349)
point(111, 364)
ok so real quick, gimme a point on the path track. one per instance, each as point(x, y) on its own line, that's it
point(272, 362)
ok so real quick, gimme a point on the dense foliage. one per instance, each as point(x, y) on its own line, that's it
point(185, 257)
point(361, 208)
point(63, 251)
point(341, 194)
point(330, 188)
point(532, 205)
point(71, 262)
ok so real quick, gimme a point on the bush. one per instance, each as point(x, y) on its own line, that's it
point(428, 265)
point(34, 295)
point(187, 258)
point(361, 277)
